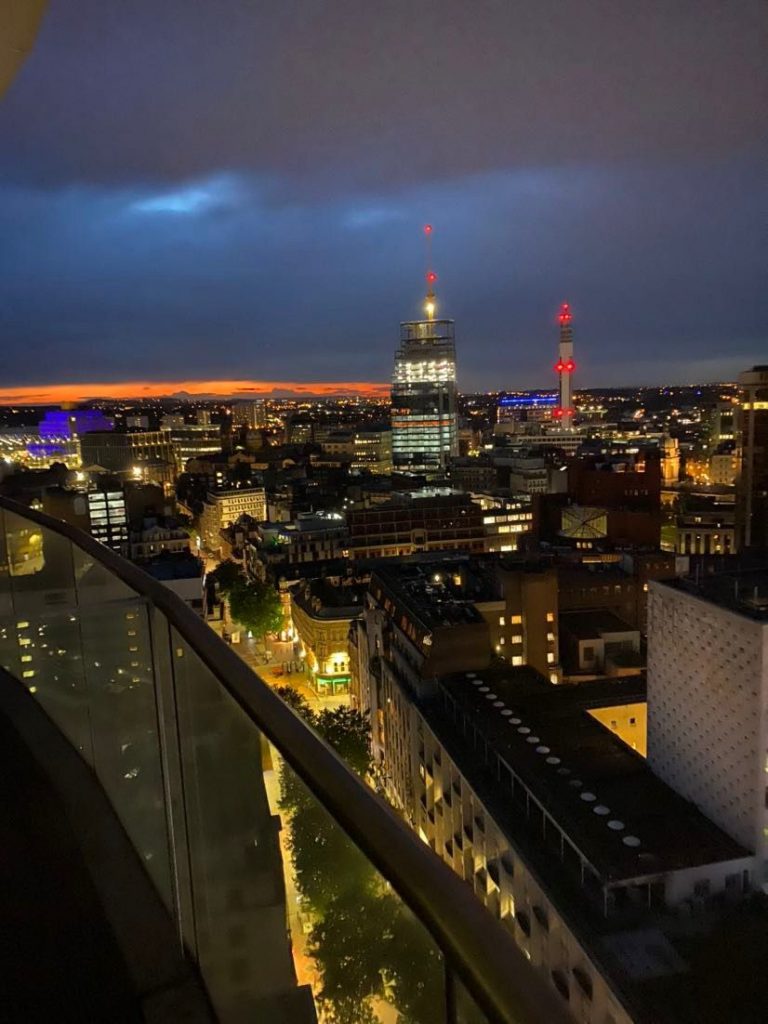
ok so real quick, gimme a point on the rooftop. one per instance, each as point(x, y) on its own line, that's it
point(325, 600)
point(444, 593)
point(586, 625)
point(744, 591)
point(624, 819)
point(174, 566)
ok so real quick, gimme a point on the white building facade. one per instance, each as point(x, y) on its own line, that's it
point(708, 708)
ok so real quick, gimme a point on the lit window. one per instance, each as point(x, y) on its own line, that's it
point(517, 638)
point(502, 621)
point(28, 674)
point(550, 658)
point(550, 616)
point(502, 640)
point(517, 659)
point(516, 620)
point(553, 677)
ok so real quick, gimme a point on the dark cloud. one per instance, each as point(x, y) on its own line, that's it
point(236, 188)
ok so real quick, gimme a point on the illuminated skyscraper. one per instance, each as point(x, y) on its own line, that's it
point(424, 405)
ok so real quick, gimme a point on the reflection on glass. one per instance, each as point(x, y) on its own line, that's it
point(467, 1011)
point(367, 957)
point(240, 930)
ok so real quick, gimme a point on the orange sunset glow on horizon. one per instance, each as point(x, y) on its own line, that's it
point(55, 394)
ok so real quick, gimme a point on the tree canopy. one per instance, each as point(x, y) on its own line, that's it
point(256, 606)
point(252, 604)
point(227, 575)
point(366, 944)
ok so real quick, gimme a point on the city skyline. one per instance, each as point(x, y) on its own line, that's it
point(158, 217)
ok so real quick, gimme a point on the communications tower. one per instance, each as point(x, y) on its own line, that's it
point(564, 367)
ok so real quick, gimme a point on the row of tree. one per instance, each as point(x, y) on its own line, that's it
point(366, 944)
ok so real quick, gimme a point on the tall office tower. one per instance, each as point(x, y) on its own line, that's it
point(707, 689)
point(565, 366)
point(424, 399)
point(752, 439)
point(252, 414)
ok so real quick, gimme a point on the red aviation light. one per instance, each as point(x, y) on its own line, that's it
point(565, 314)
point(559, 366)
point(431, 277)
point(570, 366)
point(558, 413)
point(427, 229)
point(569, 412)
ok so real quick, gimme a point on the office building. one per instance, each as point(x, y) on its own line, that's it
point(407, 525)
point(559, 829)
point(529, 407)
point(724, 465)
point(147, 456)
point(505, 520)
point(221, 508)
point(251, 414)
point(364, 450)
point(192, 440)
point(723, 425)
point(424, 397)
point(752, 440)
point(310, 537)
point(101, 511)
point(707, 690)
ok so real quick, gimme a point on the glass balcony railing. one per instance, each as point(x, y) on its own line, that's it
point(297, 891)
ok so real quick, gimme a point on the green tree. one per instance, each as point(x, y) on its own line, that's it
point(365, 942)
point(297, 701)
point(256, 606)
point(227, 576)
point(348, 731)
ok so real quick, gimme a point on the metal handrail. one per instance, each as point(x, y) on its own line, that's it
point(476, 946)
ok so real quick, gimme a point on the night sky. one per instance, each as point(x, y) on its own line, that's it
point(236, 188)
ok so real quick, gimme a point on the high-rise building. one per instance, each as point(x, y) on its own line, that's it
point(193, 439)
point(565, 366)
point(424, 398)
point(252, 414)
point(752, 436)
